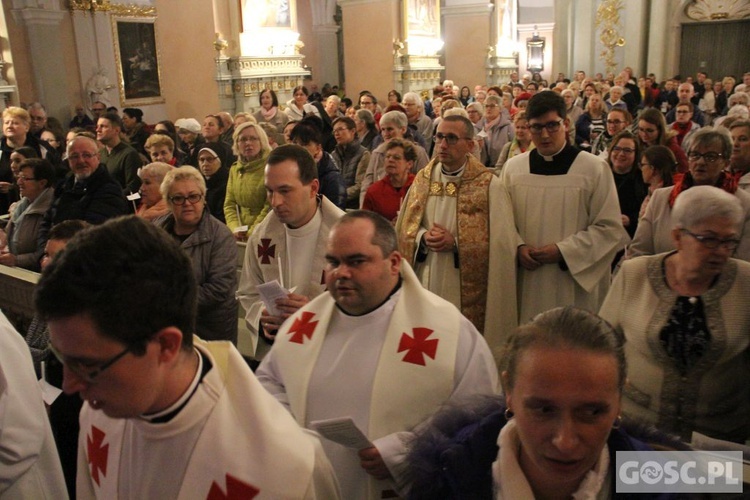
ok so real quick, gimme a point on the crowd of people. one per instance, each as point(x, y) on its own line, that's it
point(423, 266)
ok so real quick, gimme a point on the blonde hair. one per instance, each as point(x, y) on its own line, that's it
point(19, 113)
point(184, 173)
point(158, 140)
point(265, 148)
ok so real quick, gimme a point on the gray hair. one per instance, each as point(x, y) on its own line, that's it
point(413, 96)
point(456, 112)
point(739, 98)
point(477, 106)
point(155, 170)
point(493, 99)
point(709, 136)
point(701, 203)
point(397, 118)
point(567, 92)
point(184, 173)
point(335, 98)
point(366, 116)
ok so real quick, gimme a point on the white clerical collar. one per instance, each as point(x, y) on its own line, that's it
point(551, 158)
point(182, 399)
point(312, 226)
point(457, 173)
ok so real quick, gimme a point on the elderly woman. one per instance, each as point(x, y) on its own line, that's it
point(211, 248)
point(367, 129)
point(298, 107)
point(497, 129)
point(686, 323)
point(245, 204)
point(554, 434)
point(153, 205)
point(217, 176)
point(16, 124)
point(386, 195)
point(657, 168)
point(475, 111)
point(652, 131)
point(269, 110)
point(35, 181)
point(160, 148)
point(708, 159)
point(520, 143)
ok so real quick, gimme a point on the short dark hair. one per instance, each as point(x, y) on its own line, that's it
point(663, 162)
point(113, 118)
point(346, 121)
point(128, 276)
point(66, 229)
point(544, 102)
point(27, 152)
point(134, 113)
point(274, 98)
point(43, 170)
point(308, 170)
point(384, 236)
point(308, 130)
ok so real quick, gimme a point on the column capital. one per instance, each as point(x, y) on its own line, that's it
point(37, 12)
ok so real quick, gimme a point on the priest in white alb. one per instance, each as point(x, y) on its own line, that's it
point(378, 348)
point(567, 215)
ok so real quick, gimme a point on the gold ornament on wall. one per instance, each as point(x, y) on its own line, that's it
point(608, 22)
point(112, 8)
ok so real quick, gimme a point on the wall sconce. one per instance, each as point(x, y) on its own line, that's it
point(535, 53)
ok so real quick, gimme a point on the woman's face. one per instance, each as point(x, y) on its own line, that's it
point(15, 128)
point(565, 402)
point(248, 144)
point(396, 166)
point(648, 132)
point(622, 155)
point(392, 98)
point(161, 153)
point(717, 87)
point(160, 128)
point(515, 91)
point(50, 138)
point(695, 256)
point(211, 130)
point(127, 121)
point(491, 111)
point(187, 215)
point(595, 103)
point(266, 101)
point(150, 190)
point(706, 172)
point(300, 98)
point(352, 113)
point(648, 172)
point(522, 131)
point(615, 94)
point(28, 185)
point(208, 163)
point(728, 86)
point(588, 91)
point(15, 163)
point(683, 114)
point(465, 93)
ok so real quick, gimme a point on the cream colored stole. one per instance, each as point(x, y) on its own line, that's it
point(405, 391)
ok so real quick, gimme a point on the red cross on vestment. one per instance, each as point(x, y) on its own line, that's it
point(266, 251)
point(302, 327)
point(236, 490)
point(97, 453)
point(417, 346)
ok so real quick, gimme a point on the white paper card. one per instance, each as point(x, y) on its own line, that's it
point(342, 431)
point(269, 293)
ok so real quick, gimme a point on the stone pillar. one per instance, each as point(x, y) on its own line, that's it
point(42, 21)
point(326, 41)
point(467, 41)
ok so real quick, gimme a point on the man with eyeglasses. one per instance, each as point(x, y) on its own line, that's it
point(456, 229)
point(165, 414)
point(90, 194)
point(567, 216)
point(351, 157)
point(617, 121)
point(685, 93)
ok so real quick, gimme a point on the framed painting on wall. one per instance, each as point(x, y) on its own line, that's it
point(422, 18)
point(137, 60)
point(268, 14)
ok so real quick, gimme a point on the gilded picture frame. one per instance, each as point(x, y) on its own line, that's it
point(137, 60)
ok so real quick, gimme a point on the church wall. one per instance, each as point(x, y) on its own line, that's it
point(369, 31)
point(72, 71)
point(187, 55)
point(18, 66)
point(310, 50)
point(466, 41)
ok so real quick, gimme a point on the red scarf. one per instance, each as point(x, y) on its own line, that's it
point(726, 181)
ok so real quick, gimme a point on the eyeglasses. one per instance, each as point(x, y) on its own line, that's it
point(712, 242)
point(243, 140)
point(365, 103)
point(709, 157)
point(80, 368)
point(85, 156)
point(552, 127)
point(491, 105)
point(340, 130)
point(180, 200)
point(627, 151)
point(451, 139)
point(25, 179)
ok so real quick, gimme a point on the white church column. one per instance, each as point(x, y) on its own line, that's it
point(326, 42)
